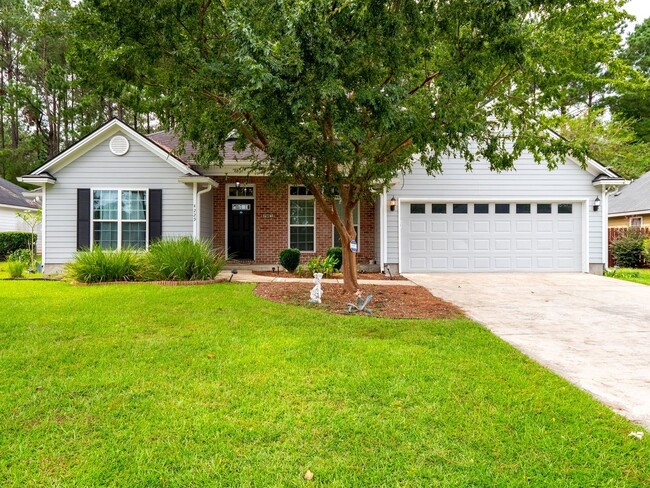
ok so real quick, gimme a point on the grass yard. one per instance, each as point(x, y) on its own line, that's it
point(636, 275)
point(143, 385)
point(4, 272)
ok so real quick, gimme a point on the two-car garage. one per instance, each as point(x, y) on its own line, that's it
point(491, 236)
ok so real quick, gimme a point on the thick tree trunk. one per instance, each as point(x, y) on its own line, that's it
point(349, 267)
point(345, 226)
point(350, 282)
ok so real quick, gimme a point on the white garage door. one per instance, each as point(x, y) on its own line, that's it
point(498, 236)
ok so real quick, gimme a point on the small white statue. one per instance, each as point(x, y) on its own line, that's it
point(316, 292)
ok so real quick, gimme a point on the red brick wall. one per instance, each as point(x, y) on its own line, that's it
point(272, 223)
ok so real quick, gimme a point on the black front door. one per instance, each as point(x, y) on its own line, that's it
point(241, 229)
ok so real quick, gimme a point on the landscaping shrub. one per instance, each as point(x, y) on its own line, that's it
point(182, 259)
point(12, 241)
point(646, 251)
point(99, 265)
point(22, 255)
point(627, 250)
point(321, 265)
point(289, 259)
point(16, 268)
point(337, 255)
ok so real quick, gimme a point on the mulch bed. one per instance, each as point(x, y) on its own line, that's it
point(390, 301)
point(338, 276)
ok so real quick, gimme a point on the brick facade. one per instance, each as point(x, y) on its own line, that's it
point(272, 223)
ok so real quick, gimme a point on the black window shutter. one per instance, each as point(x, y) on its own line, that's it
point(83, 218)
point(155, 215)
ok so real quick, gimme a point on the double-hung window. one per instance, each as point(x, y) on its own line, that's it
point(336, 241)
point(120, 219)
point(302, 219)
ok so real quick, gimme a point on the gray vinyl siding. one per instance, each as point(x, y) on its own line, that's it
point(100, 169)
point(206, 230)
point(530, 181)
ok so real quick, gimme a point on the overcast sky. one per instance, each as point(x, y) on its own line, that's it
point(640, 9)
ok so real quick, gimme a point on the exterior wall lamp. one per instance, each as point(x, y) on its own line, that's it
point(596, 204)
point(393, 204)
point(237, 184)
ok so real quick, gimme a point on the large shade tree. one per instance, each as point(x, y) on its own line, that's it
point(342, 95)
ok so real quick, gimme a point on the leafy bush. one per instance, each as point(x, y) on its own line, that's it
point(12, 241)
point(289, 259)
point(22, 255)
point(321, 265)
point(628, 249)
point(646, 251)
point(100, 266)
point(337, 255)
point(16, 268)
point(182, 259)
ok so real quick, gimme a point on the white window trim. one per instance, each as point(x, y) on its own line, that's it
point(119, 219)
point(299, 197)
point(636, 218)
point(228, 197)
point(358, 238)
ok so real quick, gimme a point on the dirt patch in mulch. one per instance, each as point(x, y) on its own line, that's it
point(390, 301)
point(338, 276)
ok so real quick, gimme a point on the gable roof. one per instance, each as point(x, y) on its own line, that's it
point(12, 195)
point(635, 198)
point(99, 135)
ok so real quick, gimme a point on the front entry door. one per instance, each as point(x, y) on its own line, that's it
point(241, 229)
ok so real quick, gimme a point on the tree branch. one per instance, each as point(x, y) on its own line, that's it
point(427, 81)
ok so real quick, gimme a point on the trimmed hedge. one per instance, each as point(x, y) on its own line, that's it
point(12, 241)
point(289, 259)
point(627, 250)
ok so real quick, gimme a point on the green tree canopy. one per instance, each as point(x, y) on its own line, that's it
point(633, 102)
point(343, 95)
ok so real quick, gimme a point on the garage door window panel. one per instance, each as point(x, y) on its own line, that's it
point(418, 208)
point(523, 208)
point(481, 208)
point(564, 208)
point(544, 208)
point(439, 208)
point(502, 208)
point(460, 208)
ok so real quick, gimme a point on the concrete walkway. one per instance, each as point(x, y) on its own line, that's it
point(247, 276)
point(593, 331)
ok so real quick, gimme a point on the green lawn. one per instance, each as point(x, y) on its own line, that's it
point(4, 272)
point(636, 275)
point(143, 385)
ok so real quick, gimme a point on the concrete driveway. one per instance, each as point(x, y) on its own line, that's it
point(593, 331)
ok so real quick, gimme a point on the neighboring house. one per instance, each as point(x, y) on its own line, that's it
point(12, 201)
point(117, 188)
point(630, 206)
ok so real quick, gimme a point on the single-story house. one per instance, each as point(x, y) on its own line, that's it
point(118, 188)
point(12, 201)
point(630, 205)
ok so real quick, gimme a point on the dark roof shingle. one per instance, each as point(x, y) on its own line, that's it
point(169, 141)
point(632, 198)
point(11, 194)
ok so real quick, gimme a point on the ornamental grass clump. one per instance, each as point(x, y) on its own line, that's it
point(16, 269)
point(182, 259)
point(101, 265)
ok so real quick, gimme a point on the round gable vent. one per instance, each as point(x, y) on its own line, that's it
point(119, 145)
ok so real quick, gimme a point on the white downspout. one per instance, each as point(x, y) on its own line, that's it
point(197, 213)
